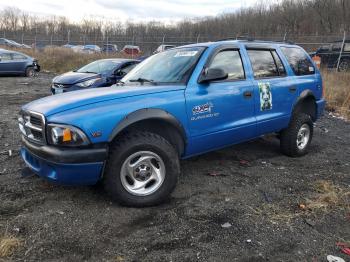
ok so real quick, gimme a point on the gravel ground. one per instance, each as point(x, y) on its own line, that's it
point(236, 204)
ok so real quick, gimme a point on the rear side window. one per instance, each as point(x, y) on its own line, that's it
point(347, 47)
point(263, 63)
point(230, 61)
point(299, 61)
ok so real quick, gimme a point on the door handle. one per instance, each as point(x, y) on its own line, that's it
point(248, 94)
point(292, 89)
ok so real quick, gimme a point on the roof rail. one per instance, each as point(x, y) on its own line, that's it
point(247, 38)
point(251, 39)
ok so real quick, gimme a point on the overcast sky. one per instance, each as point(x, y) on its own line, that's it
point(137, 10)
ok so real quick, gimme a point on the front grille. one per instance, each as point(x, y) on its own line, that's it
point(32, 126)
point(58, 85)
point(35, 120)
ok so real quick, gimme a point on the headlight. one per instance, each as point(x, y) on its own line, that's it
point(64, 135)
point(88, 82)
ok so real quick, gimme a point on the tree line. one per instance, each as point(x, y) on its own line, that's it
point(286, 19)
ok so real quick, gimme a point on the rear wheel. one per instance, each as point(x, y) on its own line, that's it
point(295, 140)
point(344, 66)
point(30, 72)
point(141, 170)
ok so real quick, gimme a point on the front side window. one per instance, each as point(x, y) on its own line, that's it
point(18, 57)
point(171, 66)
point(298, 60)
point(263, 63)
point(230, 61)
point(336, 47)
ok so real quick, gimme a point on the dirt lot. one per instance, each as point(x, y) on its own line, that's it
point(251, 186)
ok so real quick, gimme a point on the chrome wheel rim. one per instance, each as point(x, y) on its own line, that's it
point(303, 136)
point(142, 173)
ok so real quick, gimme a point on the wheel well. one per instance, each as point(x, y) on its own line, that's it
point(306, 105)
point(160, 127)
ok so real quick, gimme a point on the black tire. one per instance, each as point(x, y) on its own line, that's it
point(288, 139)
point(30, 72)
point(344, 66)
point(129, 144)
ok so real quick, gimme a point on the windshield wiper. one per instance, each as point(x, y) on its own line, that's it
point(142, 80)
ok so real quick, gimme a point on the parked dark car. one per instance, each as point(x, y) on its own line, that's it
point(329, 55)
point(100, 73)
point(16, 63)
point(109, 48)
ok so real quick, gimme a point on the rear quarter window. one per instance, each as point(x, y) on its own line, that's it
point(299, 61)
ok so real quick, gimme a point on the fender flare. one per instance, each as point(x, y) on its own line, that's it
point(304, 95)
point(148, 114)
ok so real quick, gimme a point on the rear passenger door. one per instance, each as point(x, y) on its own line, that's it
point(274, 92)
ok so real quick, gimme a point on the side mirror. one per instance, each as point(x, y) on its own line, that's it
point(212, 74)
point(119, 73)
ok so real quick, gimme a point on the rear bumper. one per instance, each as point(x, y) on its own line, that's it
point(321, 104)
point(67, 167)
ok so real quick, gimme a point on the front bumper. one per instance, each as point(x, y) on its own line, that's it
point(65, 166)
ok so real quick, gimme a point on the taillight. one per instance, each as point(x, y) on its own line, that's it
point(323, 88)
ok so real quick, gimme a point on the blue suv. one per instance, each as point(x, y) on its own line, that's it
point(174, 105)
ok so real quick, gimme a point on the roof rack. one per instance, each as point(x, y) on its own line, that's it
point(247, 38)
point(251, 39)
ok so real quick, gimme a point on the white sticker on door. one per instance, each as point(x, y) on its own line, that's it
point(265, 96)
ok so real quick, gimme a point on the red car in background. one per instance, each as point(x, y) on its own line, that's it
point(131, 50)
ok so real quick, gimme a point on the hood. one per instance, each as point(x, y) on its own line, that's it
point(71, 78)
point(55, 104)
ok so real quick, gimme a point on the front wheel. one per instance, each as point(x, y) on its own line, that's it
point(30, 72)
point(141, 170)
point(296, 138)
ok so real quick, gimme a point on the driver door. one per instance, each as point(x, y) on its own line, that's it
point(221, 112)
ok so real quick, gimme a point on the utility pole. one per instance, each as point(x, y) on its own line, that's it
point(341, 51)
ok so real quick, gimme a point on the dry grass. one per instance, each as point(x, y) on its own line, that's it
point(337, 92)
point(60, 60)
point(8, 245)
point(328, 196)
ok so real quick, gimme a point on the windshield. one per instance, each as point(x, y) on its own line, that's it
point(172, 66)
point(99, 67)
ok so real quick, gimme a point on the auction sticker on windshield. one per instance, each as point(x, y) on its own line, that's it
point(185, 53)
